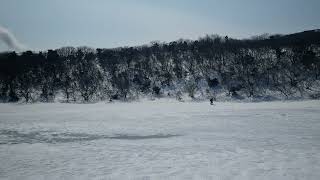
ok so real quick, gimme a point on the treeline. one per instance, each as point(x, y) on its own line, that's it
point(213, 66)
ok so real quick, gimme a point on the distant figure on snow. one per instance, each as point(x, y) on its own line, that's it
point(211, 100)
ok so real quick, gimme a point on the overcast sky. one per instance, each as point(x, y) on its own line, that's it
point(44, 24)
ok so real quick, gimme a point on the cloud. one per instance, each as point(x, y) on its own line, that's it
point(10, 40)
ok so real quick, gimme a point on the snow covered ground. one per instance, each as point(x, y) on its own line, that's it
point(161, 139)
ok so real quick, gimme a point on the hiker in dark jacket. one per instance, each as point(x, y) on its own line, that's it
point(211, 101)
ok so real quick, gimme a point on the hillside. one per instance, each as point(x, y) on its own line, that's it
point(222, 68)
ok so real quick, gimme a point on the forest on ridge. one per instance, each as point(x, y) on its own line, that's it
point(264, 67)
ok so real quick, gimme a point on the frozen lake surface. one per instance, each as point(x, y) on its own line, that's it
point(161, 139)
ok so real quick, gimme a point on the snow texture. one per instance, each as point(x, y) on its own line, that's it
point(161, 139)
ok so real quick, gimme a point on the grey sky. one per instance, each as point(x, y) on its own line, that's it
point(43, 24)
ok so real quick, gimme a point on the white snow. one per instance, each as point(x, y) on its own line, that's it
point(161, 139)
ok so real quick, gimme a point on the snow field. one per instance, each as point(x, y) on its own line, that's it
point(161, 139)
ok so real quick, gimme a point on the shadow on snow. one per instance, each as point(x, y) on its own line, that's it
point(15, 137)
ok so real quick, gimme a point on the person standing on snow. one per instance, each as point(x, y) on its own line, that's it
point(212, 100)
